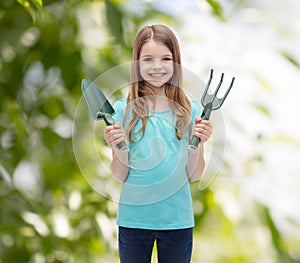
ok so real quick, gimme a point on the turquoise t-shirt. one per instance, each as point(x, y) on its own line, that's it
point(156, 194)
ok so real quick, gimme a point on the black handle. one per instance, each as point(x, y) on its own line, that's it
point(109, 121)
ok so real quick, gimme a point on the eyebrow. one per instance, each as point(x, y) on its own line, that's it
point(149, 55)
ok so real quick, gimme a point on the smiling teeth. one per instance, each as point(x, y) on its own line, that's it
point(157, 75)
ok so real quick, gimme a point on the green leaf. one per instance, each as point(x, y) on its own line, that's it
point(277, 239)
point(281, 138)
point(34, 7)
point(26, 3)
point(290, 58)
point(39, 2)
point(264, 84)
point(217, 9)
point(114, 20)
point(261, 108)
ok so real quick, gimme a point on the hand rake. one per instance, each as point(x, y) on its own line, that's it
point(209, 103)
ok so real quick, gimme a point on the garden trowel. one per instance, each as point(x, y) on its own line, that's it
point(99, 107)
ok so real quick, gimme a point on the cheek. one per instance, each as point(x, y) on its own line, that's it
point(143, 72)
point(144, 68)
point(170, 69)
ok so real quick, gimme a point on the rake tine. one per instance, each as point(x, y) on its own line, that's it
point(217, 89)
point(224, 97)
point(207, 87)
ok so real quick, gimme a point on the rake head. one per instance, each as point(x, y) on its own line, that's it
point(211, 102)
point(207, 98)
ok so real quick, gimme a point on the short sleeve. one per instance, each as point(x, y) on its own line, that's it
point(196, 110)
point(119, 107)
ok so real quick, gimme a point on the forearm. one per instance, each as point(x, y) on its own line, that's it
point(196, 164)
point(119, 165)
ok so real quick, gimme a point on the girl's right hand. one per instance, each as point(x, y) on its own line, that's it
point(114, 134)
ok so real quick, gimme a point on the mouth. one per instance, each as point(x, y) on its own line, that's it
point(157, 75)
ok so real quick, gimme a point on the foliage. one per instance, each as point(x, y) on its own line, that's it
point(49, 212)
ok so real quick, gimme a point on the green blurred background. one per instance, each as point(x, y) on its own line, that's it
point(50, 212)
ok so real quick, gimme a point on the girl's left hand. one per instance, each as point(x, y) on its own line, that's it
point(202, 129)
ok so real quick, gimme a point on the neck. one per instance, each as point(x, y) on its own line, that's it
point(158, 91)
point(158, 103)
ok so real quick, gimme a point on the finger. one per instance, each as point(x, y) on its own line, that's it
point(109, 133)
point(114, 129)
point(107, 129)
point(202, 129)
point(117, 125)
point(206, 122)
point(117, 141)
point(202, 132)
point(197, 120)
point(115, 137)
point(204, 125)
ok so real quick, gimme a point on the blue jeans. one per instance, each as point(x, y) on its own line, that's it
point(173, 246)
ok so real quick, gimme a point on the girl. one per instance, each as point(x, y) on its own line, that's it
point(157, 120)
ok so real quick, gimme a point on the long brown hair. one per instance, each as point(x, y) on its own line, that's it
point(138, 92)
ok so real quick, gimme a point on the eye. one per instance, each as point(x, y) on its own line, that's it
point(147, 59)
point(167, 59)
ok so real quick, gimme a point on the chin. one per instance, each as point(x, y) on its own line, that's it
point(156, 84)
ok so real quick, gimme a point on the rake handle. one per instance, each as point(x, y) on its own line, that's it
point(194, 142)
point(109, 121)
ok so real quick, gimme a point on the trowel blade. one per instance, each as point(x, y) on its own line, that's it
point(95, 99)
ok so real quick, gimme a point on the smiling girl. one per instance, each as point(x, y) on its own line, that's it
point(157, 120)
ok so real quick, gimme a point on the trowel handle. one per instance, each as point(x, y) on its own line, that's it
point(194, 142)
point(109, 121)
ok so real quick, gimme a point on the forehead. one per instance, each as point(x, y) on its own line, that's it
point(153, 48)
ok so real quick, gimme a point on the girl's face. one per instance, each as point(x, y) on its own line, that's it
point(156, 64)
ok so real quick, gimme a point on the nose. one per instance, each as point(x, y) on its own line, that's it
point(157, 64)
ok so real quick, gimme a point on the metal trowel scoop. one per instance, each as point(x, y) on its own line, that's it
point(99, 107)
